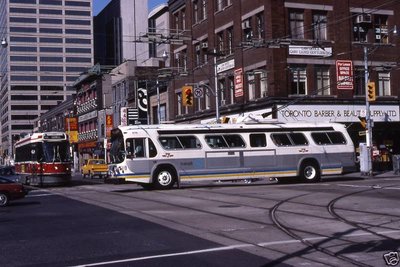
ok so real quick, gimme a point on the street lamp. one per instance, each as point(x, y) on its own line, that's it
point(4, 42)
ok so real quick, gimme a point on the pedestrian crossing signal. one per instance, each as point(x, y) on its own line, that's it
point(371, 93)
point(187, 96)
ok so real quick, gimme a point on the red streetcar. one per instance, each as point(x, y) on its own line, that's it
point(43, 159)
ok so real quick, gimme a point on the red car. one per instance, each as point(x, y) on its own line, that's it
point(10, 190)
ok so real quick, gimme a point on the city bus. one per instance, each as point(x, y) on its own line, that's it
point(43, 159)
point(159, 156)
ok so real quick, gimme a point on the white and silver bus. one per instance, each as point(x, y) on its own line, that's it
point(158, 156)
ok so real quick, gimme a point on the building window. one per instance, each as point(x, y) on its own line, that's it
point(179, 106)
point(247, 30)
point(322, 80)
point(229, 33)
point(263, 84)
point(251, 84)
point(224, 93)
point(203, 10)
point(381, 29)
point(196, 11)
point(220, 41)
point(259, 34)
point(360, 27)
point(320, 27)
point(296, 22)
point(298, 81)
point(231, 88)
point(384, 84)
point(359, 82)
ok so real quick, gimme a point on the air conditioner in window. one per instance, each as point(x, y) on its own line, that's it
point(246, 24)
point(204, 45)
point(364, 18)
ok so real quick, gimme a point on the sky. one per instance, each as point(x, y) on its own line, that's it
point(98, 5)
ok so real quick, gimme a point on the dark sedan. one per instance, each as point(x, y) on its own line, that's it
point(10, 190)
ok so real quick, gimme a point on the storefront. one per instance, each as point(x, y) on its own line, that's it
point(385, 131)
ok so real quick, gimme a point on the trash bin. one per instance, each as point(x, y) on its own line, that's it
point(396, 164)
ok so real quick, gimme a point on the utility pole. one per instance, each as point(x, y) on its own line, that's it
point(217, 116)
point(368, 132)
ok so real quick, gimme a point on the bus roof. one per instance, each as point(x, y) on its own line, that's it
point(215, 127)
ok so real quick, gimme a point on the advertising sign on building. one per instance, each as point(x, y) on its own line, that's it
point(344, 74)
point(337, 113)
point(238, 73)
point(124, 116)
point(109, 125)
point(71, 128)
point(301, 50)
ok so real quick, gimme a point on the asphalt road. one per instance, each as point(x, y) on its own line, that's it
point(342, 221)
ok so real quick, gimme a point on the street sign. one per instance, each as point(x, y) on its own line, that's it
point(198, 92)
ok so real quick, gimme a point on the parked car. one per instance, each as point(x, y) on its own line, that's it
point(10, 190)
point(9, 173)
point(94, 167)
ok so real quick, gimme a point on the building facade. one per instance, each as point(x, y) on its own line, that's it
point(290, 60)
point(116, 31)
point(48, 44)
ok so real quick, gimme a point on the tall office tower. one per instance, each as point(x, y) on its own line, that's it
point(117, 28)
point(46, 44)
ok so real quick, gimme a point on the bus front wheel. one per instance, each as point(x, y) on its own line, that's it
point(164, 178)
point(309, 172)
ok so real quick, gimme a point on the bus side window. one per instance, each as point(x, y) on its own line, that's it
point(258, 140)
point(234, 140)
point(215, 141)
point(281, 139)
point(135, 148)
point(152, 149)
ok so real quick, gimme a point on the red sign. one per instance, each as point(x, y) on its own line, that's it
point(109, 125)
point(344, 75)
point(238, 73)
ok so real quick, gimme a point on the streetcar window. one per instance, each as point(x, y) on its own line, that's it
point(234, 140)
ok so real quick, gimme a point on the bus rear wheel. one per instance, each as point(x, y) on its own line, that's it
point(310, 172)
point(164, 178)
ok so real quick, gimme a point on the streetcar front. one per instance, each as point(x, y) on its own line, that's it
point(44, 159)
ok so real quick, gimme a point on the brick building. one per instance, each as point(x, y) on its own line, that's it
point(290, 60)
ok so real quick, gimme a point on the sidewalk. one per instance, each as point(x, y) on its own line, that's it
point(377, 174)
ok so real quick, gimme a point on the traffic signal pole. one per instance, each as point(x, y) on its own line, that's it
point(368, 132)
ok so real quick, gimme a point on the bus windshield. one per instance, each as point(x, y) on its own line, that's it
point(56, 152)
point(117, 150)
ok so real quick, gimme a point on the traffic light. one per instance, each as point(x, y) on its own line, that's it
point(187, 100)
point(371, 92)
point(363, 122)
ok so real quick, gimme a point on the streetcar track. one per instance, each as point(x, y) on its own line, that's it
point(332, 210)
point(306, 242)
point(272, 212)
